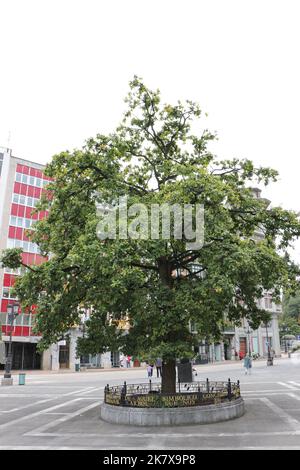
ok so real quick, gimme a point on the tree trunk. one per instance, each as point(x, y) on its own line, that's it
point(168, 379)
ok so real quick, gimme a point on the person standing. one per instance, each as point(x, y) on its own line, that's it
point(150, 370)
point(247, 364)
point(158, 364)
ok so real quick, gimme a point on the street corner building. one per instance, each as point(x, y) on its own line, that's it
point(22, 183)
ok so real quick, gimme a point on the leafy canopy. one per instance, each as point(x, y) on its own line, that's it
point(153, 157)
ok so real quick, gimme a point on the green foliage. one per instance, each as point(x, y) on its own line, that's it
point(153, 158)
point(291, 305)
point(288, 325)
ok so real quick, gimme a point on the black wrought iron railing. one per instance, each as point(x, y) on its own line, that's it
point(149, 395)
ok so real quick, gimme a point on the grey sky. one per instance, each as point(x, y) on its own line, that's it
point(66, 64)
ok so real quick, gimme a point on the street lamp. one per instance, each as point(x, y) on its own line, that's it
point(12, 312)
point(248, 331)
point(270, 359)
point(285, 330)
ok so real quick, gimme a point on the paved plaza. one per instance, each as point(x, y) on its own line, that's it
point(61, 411)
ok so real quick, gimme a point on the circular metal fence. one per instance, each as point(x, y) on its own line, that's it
point(150, 395)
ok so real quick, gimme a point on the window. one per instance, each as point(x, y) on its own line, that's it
point(13, 220)
point(26, 246)
point(18, 320)
point(32, 247)
point(10, 243)
point(31, 180)
point(26, 319)
point(21, 222)
point(25, 201)
point(17, 272)
point(24, 179)
point(5, 292)
point(268, 302)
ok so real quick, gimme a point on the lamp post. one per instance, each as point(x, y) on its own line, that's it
point(12, 312)
point(285, 329)
point(83, 318)
point(270, 359)
point(248, 332)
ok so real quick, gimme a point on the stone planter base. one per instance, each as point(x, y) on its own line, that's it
point(6, 381)
point(172, 416)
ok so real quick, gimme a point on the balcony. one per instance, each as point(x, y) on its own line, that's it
point(228, 329)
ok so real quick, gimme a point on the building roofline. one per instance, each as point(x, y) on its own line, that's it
point(9, 151)
point(28, 161)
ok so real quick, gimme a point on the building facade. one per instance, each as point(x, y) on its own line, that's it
point(238, 341)
point(22, 184)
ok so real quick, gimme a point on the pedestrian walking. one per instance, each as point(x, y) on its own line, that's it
point(128, 359)
point(150, 370)
point(248, 364)
point(158, 364)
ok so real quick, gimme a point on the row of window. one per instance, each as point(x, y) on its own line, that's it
point(268, 304)
point(21, 222)
point(25, 200)
point(31, 180)
point(16, 272)
point(28, 247)
point(21, 320)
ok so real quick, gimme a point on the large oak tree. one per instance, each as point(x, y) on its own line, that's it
point(153, 157)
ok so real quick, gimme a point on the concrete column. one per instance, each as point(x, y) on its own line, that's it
point(106, 360)
point(232, 348)
point(260, 341)
point(73, 360)
point(276, 338)
point(50, 358)
point(222, 351)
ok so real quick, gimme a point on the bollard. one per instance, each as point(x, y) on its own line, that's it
point(229, 389)
point(22, 379)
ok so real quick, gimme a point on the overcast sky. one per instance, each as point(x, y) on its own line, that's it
point(66, 64)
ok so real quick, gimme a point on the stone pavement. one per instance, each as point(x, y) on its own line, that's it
point(61, 411)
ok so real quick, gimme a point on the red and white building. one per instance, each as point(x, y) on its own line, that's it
point(22, 183)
